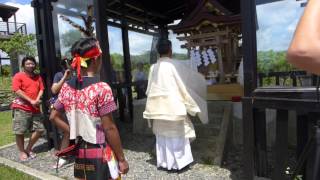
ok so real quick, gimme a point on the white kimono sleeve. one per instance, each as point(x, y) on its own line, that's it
point(195, 86)
point(191, 105)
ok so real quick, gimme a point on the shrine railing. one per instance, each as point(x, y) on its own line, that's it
point(303, 101)
point(288, 78)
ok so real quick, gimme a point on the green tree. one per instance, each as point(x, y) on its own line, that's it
point(18, 44)
point(273, 61)
point(69, 38)
point(117, 61)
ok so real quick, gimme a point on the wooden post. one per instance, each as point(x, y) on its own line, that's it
point(281, 145)
point(228, 53)
point(47, 58)
point(164, 32)
point(127, 61)
point(100, 16)
point(220, 62)
point(8, 29)
point(15, 22)
point(261, 141)
point(248, 139)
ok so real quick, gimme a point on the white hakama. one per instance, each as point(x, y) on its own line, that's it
point(173, 144)
point(173, 153)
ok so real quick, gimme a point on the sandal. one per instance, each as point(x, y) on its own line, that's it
point(23, 157)
point(60, 163)
point(32, 155)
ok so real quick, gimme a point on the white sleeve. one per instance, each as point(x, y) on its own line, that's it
point(191, 105)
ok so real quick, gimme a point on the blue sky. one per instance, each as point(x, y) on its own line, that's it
point(277, 22)
point(138, 42)
point(17, 1)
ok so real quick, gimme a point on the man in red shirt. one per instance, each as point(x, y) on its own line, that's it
point(28, 88)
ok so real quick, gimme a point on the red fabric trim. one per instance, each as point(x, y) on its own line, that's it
point(76, 63)
point(104, 153)
point(90, 153)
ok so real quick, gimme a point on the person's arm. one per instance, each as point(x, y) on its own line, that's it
point(56, 87)
point(22, 95)
point(304, 50)
point(40, 93)
point(57, 118)
point(113, 139)
point(38, 100)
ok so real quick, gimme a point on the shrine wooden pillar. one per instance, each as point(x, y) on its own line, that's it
point(249, 46)
point(47, 58)
point(127, 60)
point(100, 16)
point(164, 33)
point(220, 60)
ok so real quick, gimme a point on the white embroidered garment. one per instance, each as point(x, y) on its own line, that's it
point(174, 90)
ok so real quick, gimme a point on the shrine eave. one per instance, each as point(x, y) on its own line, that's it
point(187, 25)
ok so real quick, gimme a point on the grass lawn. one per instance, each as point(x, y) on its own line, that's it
point(5, 83)
point(6, 137)
point(13, 174)
point(6, 134)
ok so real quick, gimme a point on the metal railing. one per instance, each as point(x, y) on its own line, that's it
point(9, 28)
point(288, 78)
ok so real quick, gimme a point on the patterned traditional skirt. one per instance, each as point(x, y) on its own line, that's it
point(90, 163)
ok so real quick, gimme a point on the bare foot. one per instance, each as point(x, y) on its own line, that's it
point(23, 156)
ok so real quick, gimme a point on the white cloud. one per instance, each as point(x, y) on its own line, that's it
point(139, 43)
point(176, 44)
point(277, 23)
point(115, 40)
point(25, 14)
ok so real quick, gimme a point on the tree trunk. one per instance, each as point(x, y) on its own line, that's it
point(14, 62)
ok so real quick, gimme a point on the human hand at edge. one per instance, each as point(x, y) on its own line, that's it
point(123, 167)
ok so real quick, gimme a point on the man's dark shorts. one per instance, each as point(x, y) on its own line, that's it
point(24, 121)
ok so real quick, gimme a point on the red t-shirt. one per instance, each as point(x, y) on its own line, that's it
point(31, 86)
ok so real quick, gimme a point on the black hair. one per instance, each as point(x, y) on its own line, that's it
point(164, 46)
point(31, 58)
point(82, 46)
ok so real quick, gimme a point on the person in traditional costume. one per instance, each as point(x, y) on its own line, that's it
point(174, 91)
point(88, 104)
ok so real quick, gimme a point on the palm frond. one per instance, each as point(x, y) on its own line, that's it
point(88, 29)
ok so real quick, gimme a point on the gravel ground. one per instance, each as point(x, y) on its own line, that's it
point(139, 151)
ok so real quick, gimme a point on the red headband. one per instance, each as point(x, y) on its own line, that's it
point(80, 60)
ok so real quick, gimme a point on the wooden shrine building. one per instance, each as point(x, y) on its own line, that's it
point(213, 40)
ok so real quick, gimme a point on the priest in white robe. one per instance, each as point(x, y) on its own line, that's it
point(174, 91)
